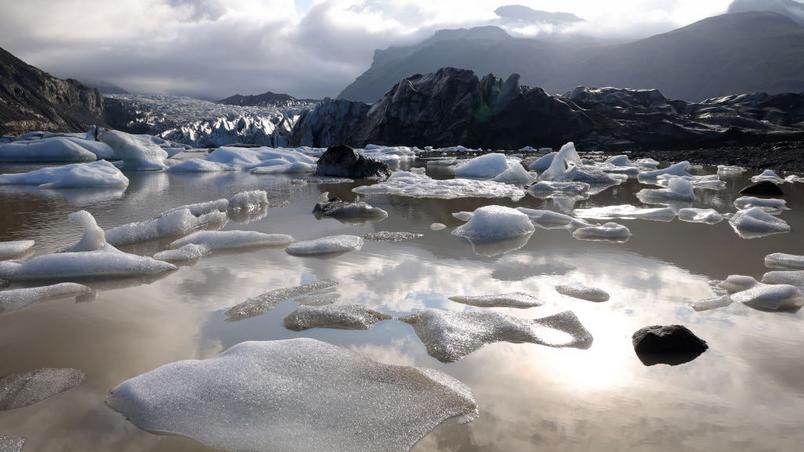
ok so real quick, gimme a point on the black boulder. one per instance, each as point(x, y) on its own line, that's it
point(764, 188)
point(671, 344)
point(343, 161)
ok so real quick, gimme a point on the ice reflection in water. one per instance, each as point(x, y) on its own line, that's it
point(745, 392)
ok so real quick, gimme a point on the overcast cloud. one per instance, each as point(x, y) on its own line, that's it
point(308, 48)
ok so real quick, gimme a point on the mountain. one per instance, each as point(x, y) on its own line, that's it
point(789, 8)
point(731, 53)
point(453, 107)
point(31, 99)
point(105, 87)
point(525, 15)
point(266, 99)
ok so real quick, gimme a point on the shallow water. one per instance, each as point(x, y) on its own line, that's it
point(745, 392)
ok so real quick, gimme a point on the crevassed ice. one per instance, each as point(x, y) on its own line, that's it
point(755, 223)
point(136, 152)
point(16, 299)
point(449, 336)
point(610, 232)
point(99, 174)
point(265, 302)
point(293, 395)
point(504, 300)
point(584, 292)
point(345, 316)
point(495, 222)
point(56, 149)
point(784, 260)
point(15, 248)
point(772, 206)
point(706, 216)
point(415, 185)
point(626, 212)
point(224, 240)
point(326, 245)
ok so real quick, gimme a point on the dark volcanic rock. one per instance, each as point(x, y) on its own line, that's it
point(763, 188)
point(26, 388)
point(673, 345)
point(343, 161)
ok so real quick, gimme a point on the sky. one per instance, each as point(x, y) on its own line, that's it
point(307, 48)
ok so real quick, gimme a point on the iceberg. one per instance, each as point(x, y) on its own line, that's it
point(83, 264)
point(770, 297)
point(417, 185)
point(347, 212)
point(248, 201)
point(680, 169)
point(249, 158)
point(232, 240)
point(707, 182)
point(186, 253)
point(790, 277)
point(137, 152)
point(755, 223)
point(548, 219)
point(265, 302)
point(610, 232)
point(99, 148)
point(515, 175)
point(562, 165)
point(495, 222)
point(542, 163)
point(46, 150)
point(326, 245)
point(768, 176)
point(486, 166)
point(784, 260)
point(171, 224)
point(27, 388)
point(197, 165)
point(99, 174)
point(16, 299)
point(678, 190)
point(547, 190)
point(772, 206)
point(345, 317)
point(583, 292)
point(626, 212)
point(519, 300)
point(449, 336)
point(15, 248)
point(293, 395)
point(706, 216)
point(712, 303)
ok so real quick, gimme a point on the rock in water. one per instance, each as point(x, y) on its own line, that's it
point(348, 212)
point(343, 161)
point(672, 344)
point(26, 388)
point(293, 395)
point(763, 188)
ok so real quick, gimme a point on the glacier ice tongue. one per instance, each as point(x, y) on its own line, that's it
point(345, 317)
point(325, 245)
point(519, 300)
point(265, 302)
point(99, 174)
point(16, 299)
point(15, 248)
point(449, 336)
point(495, 222)
point(230, 240)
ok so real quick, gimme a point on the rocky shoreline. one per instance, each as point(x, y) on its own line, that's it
point(784, 156)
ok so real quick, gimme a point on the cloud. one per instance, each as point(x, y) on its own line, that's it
point(214, 48)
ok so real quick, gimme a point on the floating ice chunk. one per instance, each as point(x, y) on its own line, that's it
point(584, 292)
point(619, 160)
point(784, 260)
point(85, 264)
point(186, 253)
point(230, 240)
point(293, 395)
point(755, 222)
point(11, 443)
point(203, 208)
point(707, 182)
point(346, 317)
point(792, 277)
point(449, 336)
point(693, 215)
point(248, 200)
point(57, 149)
point(543, 162)
point(794, 178)
point(196, 165)
point(15, 248)
point(483, 167)
point(647, 163)
point(610, 232)
point(389, 236)
point(256, 157)
point(285, 168)
point(326, 245)
point(548, 189)
point(729, 169)
point(626, 212)
point(495, 222)
point(770, 297)
point(93, 238)
point(563, 165)
point(678, 189)
point(415, 185)
point(772, 206)
point(548, 219)
point(136, 152)
point(737, 283)
point(462, 216)
point(678, 169)
point(27, 388)
point(16, 299)
point(712, 303)
point(515, 175)
point(100, 149)
point(269, 300)
point(171, 224)
point(100, 174)
point(347, 212)
point(769, 176)
point(437, 226)
point(506, 300)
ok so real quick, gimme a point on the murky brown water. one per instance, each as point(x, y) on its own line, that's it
point(745, 393)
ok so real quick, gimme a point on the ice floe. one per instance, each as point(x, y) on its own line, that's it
point(790, 277)
point(325, 245)
point(15, 248)
point(84, 264)
point(265, 302)
point(680, 169)
point(232, 240)
point(137, 152)
point(56, 149)
point(712, 303)
point(542, 163)
point(418, 185)
point(186, 253)
point(610, 232)
point(770, 297)
point(392, 236)
point(678, 190)
point(197, 165)
point(519, 300)
point(515, 175)
point(772, 206)
point(768, 176)
point(345, 316)
point(584, 292)
point(449, 336)
point(755, 223)
point(784, 260)
point(706, 216)
point(248, 201)
point(293, 395)
point(347, 212)
point(27, 388)
point(99, 174)
point(495, 222)
point(437, 226)
point(173, 223)
point(16, 299)
point(485, 166)
point(548, 219)
point(548, 189)
point(626, 212)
